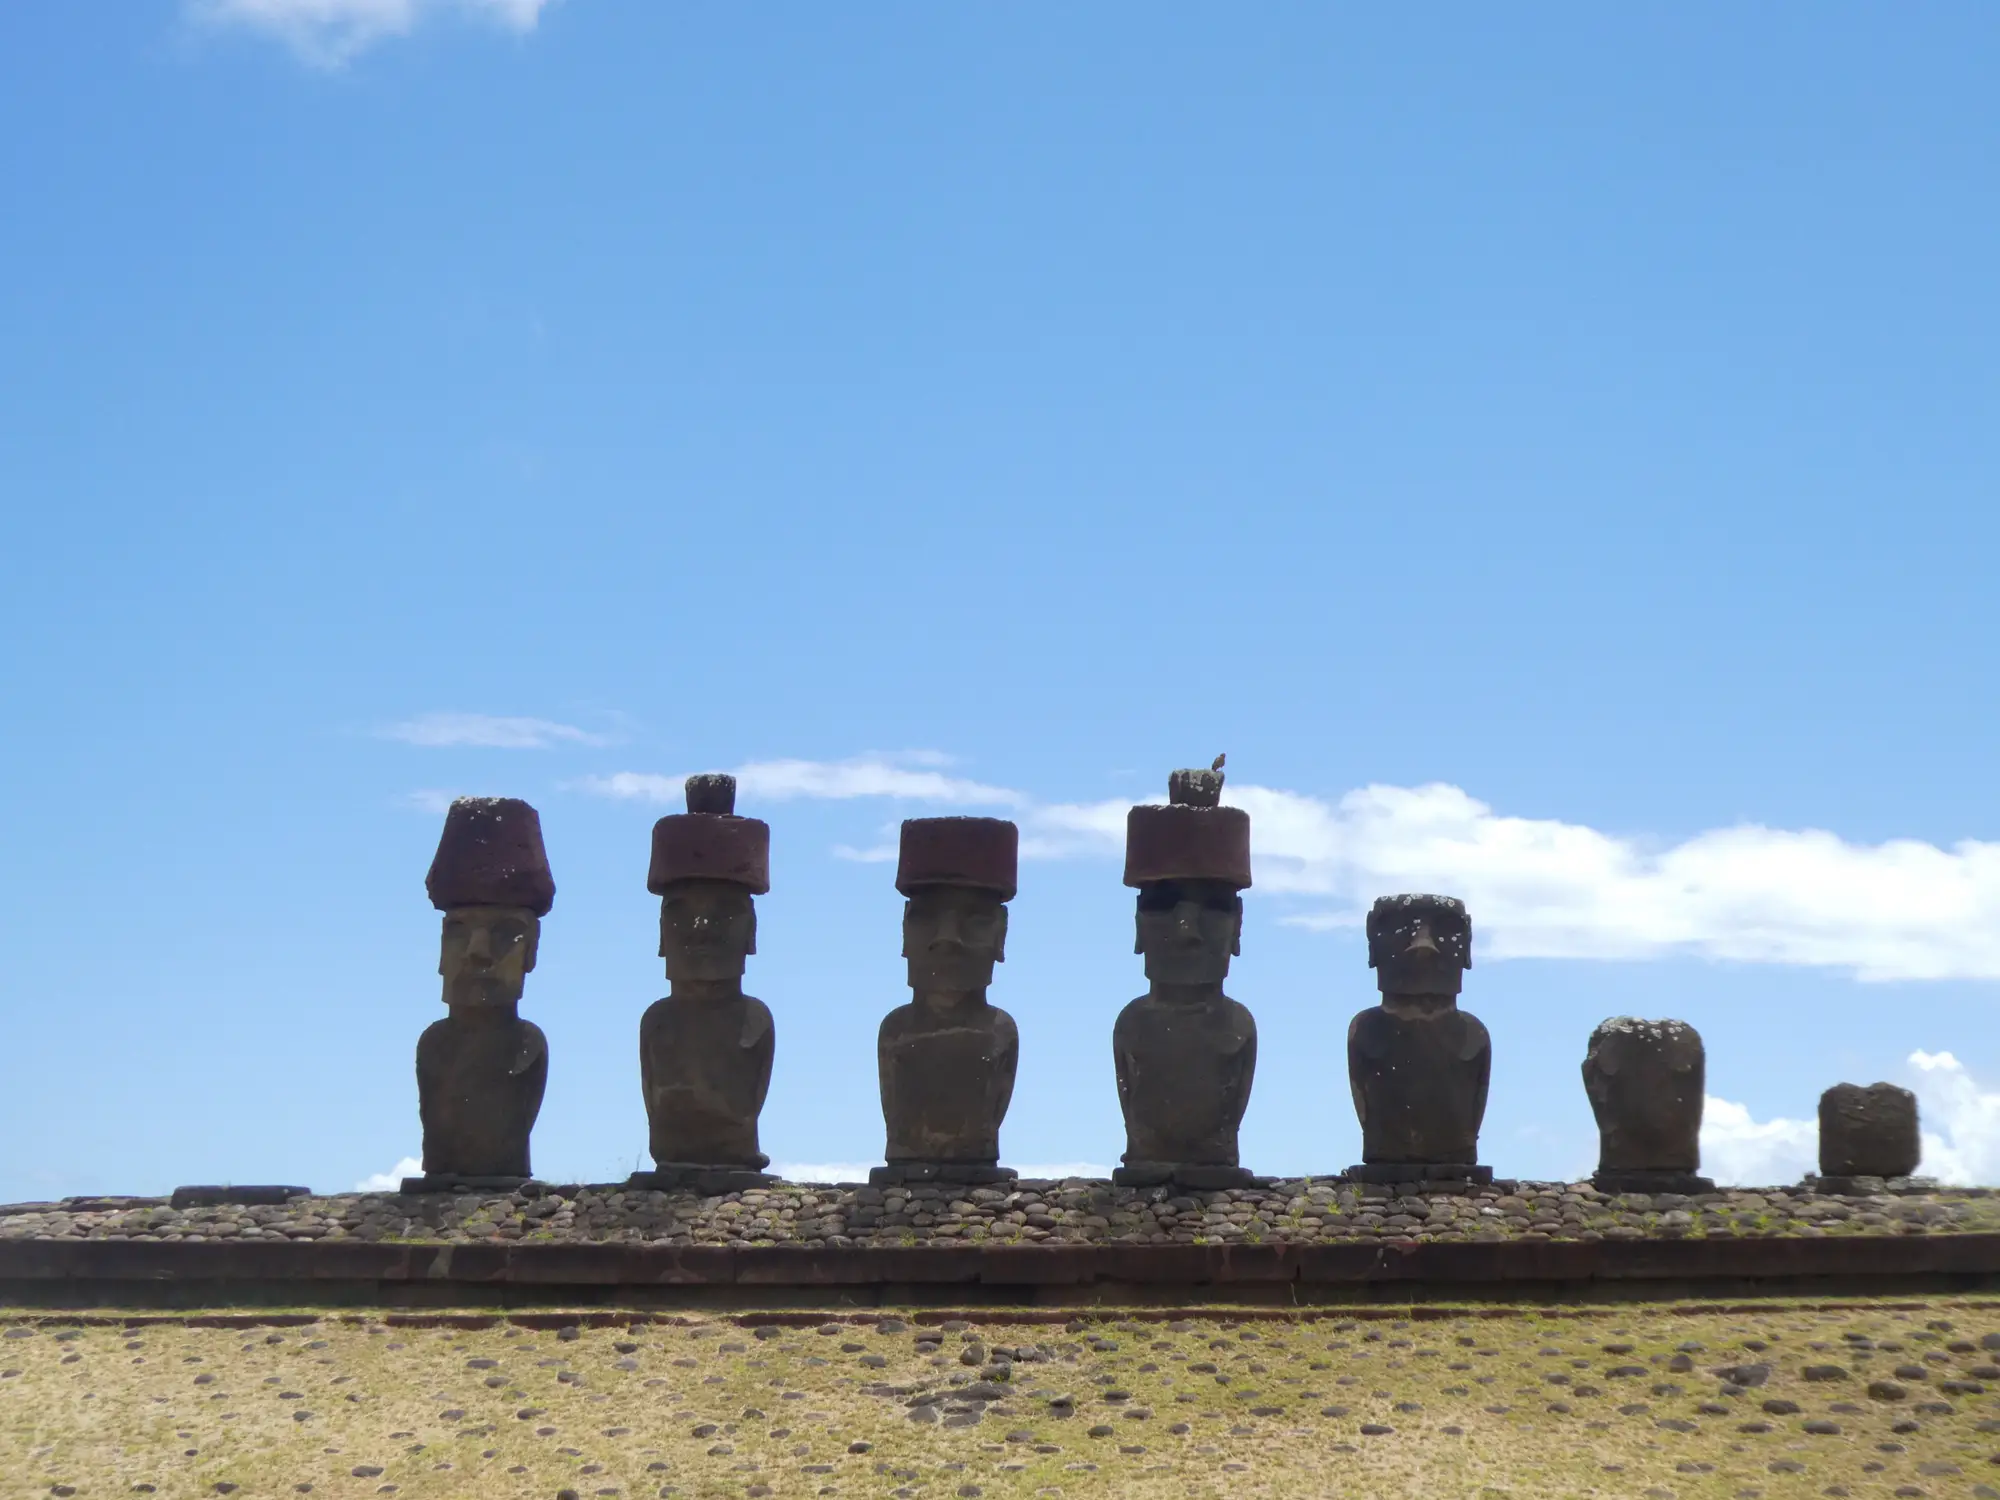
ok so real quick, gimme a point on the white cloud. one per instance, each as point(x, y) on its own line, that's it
point(1537, 887)
point(487, 732)
point(1962, 1134)
point(1741, 1151)
point(430, 800)
point(328, 33)
point(391, 1180)
point(874, 854)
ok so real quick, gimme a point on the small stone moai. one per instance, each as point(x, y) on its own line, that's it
point(705, 1051)
point(1867, 1136)
point(482, 1069)
point(1645, 1080)
point(947, 1058)
point(1418, 1065)
point(1186, 1053)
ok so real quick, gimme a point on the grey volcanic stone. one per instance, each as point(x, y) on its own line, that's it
point(1645, 1080)
point(1417, 1065)
point(1868, 1132)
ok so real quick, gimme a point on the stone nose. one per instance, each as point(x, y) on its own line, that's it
point(1422, 944)
point(1187, 922)
point(479, 944)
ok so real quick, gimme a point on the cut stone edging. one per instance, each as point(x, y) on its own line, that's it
point(113, 1272)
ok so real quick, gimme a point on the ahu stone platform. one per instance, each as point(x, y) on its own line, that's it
point(1072, 1211)
point(1071, 1242)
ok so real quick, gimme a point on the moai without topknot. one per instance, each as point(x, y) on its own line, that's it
point(947, 1058)
point(481, 1071)
point(1186, 1053)
point(1646, 1080)
point(1418, 1065)
point(705, 1050)
point(1867, 1137)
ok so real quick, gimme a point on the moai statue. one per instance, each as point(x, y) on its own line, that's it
point(947, 1058)
point(1645, 1080)
point(705, 1051)
point(1418, 1065)
point(1186, 1052)
point(1866, 1136)
point(481, 1070)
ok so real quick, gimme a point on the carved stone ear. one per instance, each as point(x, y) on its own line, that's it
point(751, 946)
point(1000, 937)
point(534, 946)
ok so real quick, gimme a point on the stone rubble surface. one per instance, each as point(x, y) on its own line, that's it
point(1068, 1212)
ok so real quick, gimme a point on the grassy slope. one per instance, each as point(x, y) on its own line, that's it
point(186, 1408)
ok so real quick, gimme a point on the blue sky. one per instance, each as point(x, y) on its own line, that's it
point(1553, 453)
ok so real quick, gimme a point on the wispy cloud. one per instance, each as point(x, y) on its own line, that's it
point(329, 33)
point(912, 776)
point(1538, 887)
point(488, 731)
point(430, 800)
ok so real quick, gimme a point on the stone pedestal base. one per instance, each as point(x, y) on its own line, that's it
point(971, 1173)
point(203, 1196)
point(1427, 1173)
point(1650, 1180)
point(699, 1177)
point(460, 1182)
point(1869, 1187)
point(1202, 1177)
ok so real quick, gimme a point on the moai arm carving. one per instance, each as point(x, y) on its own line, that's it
point(760, 1040)
point(1005, 1059)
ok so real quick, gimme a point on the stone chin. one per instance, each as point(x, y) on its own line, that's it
point(1407, 976)
point(710, 965)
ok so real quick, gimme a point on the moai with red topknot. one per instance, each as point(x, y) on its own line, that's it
point(947, 1058)
point(1185, 1052)
point(481, 1071)
point(705, 1050)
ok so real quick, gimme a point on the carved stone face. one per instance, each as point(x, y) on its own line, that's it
point(953, 935)
point(1189, 930)
point(707, 929)
point(1419, 945)
point(486, 954)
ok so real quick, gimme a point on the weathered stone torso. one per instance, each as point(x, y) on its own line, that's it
point(947, 1078)
point(480, 1076)
point(1419, 1079)
point(1184, 1076)
point(1645, 1082)
point(705, 1067)
point(1868, 1131)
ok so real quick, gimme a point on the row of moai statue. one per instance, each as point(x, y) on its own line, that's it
point(1185, 1053)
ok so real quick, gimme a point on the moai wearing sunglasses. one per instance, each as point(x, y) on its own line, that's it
point(1417, 1064)
point(1186, 1053)
point(947, 1058)
point(705, 1051)
point(481, 1070)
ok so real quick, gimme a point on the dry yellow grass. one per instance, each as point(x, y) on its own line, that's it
point(1207, 1405)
